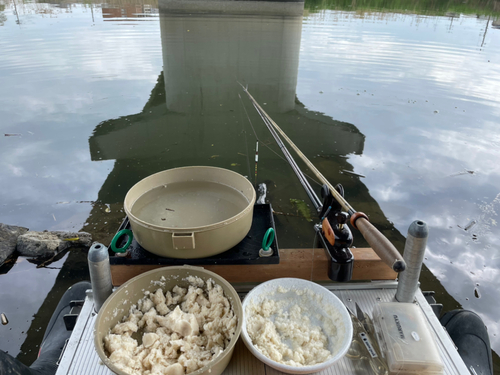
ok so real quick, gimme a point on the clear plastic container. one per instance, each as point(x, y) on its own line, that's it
point(406, 340)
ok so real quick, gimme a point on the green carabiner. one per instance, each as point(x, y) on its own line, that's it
point(268, 239)
point(117, 236)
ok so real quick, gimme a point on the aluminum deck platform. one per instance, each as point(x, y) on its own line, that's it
point(80, 357)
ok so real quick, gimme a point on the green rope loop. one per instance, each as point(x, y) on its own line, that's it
point(268, 239)
point(117, 236)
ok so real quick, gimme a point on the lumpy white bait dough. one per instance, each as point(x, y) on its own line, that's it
point(282, 329)
point(182, 330)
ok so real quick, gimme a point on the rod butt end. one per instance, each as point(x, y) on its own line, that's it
point(399, 266)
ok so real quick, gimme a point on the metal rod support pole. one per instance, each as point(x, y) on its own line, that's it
point(100, 274)
point(413, 256)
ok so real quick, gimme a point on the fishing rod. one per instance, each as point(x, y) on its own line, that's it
point(307, 187)
point(305, 184)
point(378, 242)
point(335, 237)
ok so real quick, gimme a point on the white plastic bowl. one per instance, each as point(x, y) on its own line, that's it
point(329, 303)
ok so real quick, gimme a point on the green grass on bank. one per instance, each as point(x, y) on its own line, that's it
point(424, 7)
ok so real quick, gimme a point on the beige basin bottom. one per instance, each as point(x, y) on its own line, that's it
point(189, 204)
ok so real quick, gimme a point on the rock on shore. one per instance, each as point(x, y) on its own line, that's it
point(8, 240)
point(45, 244)
point(38, 244)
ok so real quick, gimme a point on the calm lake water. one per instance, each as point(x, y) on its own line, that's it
point(396, 101)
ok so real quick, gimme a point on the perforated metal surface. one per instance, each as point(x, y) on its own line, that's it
point(80, 357)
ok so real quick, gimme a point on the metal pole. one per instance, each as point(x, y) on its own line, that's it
point(413, 256)
point(100, 274)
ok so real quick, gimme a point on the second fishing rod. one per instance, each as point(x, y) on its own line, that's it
point(333, 196)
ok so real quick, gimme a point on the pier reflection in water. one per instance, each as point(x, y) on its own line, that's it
point(195, 114)
point(309, 73)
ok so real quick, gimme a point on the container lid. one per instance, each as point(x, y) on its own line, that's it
point(406, 339)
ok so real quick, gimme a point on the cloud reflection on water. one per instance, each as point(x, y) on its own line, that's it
point(426, 98)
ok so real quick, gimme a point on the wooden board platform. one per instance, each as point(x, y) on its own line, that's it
point(309, 264)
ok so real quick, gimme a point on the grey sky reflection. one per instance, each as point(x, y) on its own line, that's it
point(81, 75)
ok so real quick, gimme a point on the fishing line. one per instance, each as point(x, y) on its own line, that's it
point(256, 160)
point(269, 125)
point(248, 117)
point(309, 190)
point(272, 125)
point(271, 129)
point(246, 141)
point(256, 145)
point(255, 133)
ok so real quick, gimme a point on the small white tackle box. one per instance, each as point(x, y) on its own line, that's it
point(406, 340)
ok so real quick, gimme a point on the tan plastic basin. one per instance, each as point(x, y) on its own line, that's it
point(190, 212)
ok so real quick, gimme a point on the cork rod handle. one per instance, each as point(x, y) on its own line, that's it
point(381, 245)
